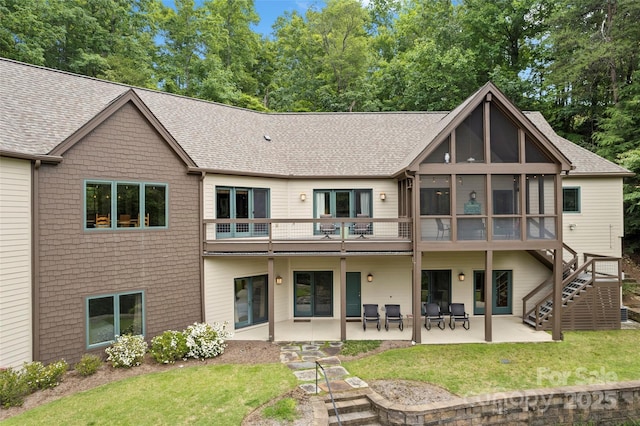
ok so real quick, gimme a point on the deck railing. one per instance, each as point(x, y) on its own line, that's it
point(312, 234)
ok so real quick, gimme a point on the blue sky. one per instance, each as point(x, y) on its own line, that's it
point(269, 10)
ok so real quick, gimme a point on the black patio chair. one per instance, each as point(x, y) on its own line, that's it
point(370, 314)
point(432, 314)
point(392, 314)
point(457, 314)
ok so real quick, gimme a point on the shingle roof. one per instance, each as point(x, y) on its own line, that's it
point(41, 108)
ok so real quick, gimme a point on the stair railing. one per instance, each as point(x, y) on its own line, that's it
point(333, 402)
point(596, 267)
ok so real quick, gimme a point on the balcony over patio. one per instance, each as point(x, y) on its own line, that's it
point(305, 236)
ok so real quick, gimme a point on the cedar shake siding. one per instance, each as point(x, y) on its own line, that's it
point(76, 263)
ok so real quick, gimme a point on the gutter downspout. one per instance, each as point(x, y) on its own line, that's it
point(202, 240)
point(35, 261)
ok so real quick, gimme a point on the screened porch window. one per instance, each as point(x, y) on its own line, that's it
point(540, 208)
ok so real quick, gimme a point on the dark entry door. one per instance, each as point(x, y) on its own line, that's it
point(353, 294)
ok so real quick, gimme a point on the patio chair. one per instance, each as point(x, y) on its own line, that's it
point(458, 315)
point(370, 314)
point(362, 228)
point(442, 229)
point(432, 314)
point(327, 228)
point(392, 314)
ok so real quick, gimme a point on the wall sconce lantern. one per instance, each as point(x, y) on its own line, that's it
point(370, 277)
point(572, 226)
point(303, 196)
point(473, 195)
point(383, 196)
point(461, 276)
point(278, 280)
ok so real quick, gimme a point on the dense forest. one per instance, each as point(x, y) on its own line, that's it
point(577, 61)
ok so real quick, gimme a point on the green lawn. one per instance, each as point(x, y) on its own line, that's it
point(472, 369)
point(225, 394)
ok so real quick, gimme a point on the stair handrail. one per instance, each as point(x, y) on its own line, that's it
point(335, 408)
point(549, 295)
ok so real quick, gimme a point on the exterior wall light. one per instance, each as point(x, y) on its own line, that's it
point(461, 276)
point(303, 196)
point(370, 277)
point(383, 196)
point(278, 280)
point(473, 195)
point(572, 226)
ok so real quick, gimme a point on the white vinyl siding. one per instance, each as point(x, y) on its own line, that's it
point(599, 226)
point(15, 263)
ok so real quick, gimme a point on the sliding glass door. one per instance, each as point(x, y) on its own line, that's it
point(313, 294)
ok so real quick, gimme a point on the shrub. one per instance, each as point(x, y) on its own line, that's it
point(169, 347)
point(88, 365)
point(13, 388)
point(206, 340)
point(39, 376)
point(127, 351)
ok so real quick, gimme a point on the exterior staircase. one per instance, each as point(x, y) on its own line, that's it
point(354, 408)
point(590, 293)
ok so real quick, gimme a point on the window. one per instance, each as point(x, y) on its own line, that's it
point(571, 200)
point(113, 315)
point(242, 203)
point(125, 205)
point(343, 202)
point(250, 301)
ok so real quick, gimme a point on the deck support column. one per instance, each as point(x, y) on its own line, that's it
point(556, 333)
point(271, 298)
point(488, 295)
point(343, 298)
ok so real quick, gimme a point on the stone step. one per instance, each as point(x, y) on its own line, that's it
point(349, 406)
point(357, 418)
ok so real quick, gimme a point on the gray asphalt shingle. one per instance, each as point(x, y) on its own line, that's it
point(41, 108)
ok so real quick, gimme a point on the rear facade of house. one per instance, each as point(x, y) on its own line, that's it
point(125, 210)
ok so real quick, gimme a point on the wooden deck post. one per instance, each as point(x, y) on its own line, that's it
point(488, 295)
point(271, 298)
point(343, 298)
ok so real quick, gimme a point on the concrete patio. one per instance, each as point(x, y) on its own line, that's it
point(507, 328)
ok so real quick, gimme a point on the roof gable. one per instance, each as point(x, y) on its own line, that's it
point(128, 97)
point(487, 93)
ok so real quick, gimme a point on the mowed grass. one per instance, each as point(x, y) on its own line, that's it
point(472, 369)
point(225, 394)
point(220, 394)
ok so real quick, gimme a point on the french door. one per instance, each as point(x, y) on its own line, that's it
point(502, 292)
point(250, 301)
point(313, 294)
point(436, 288)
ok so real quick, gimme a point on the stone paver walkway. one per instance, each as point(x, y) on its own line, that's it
point(301, 358)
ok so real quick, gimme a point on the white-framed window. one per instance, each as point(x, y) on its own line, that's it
point(111, 315)
point(125, 205)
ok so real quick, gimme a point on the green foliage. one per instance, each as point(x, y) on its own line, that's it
point(39, 376)
point(355, 347)
point(88, 365)
point(169, 347)
point(283, 410)
point(13, 388)
point(127, 351)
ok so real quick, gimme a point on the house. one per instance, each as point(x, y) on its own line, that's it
point(126, 210)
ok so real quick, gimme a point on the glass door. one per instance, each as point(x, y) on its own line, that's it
point(436, 288)
point(313, 294)
point(501, 291)
point(250, 301)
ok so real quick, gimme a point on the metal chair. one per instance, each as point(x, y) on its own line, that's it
point(370, 314)
point(432, 314)
point(392, 314)
point(362, 228)
point(458, 315)
point(327, 228)
point(442, 229)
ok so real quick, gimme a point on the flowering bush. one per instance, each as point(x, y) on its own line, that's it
point(169, 347)
point(127, 351)
point(206, 340)
point(88, 365)
point(13, 388)
point(38, 376)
